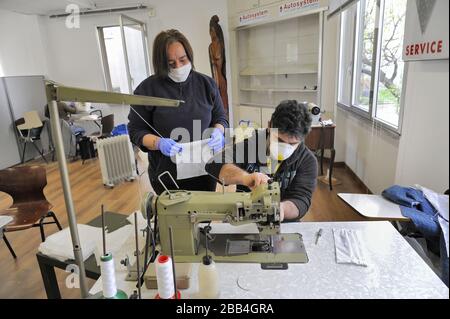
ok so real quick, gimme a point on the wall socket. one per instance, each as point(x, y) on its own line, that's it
point(151, 12)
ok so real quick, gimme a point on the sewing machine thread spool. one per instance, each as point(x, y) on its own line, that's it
point(164, 277)
point(109, 287)
point(107, 269)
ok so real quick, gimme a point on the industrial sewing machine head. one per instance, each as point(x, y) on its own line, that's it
point(187, 213)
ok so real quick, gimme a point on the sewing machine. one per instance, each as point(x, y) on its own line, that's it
point(185, 212)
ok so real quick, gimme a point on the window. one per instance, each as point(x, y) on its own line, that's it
point(346, 56)
point(370, 60)
point(124, 55)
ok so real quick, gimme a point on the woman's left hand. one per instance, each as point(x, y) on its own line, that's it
point(217, 141)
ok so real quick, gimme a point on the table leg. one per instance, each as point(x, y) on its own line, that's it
point(49, 279)
point(322, 152)
point(333, 154)
point(11, 250)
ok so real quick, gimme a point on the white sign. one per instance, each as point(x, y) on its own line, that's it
point(426, 30)
point(251, 17)
point(296, 6)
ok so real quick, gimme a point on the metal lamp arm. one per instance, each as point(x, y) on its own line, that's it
point(56, 92)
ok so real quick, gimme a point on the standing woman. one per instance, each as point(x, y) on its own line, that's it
point(150, 127)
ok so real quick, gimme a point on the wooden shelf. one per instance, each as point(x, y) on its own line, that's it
point(270, 90)
point(259, 105)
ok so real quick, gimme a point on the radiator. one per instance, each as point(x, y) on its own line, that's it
point(116, 158)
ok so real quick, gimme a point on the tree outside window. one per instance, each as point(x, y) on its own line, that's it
point(377, 70)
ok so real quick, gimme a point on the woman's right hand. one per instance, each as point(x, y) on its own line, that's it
point(169, 147)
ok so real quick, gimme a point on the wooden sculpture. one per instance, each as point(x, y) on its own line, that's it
point(217, 59)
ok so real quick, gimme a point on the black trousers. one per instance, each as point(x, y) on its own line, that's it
point(201, 183)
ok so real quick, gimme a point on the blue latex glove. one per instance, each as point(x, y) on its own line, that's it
point(217, 141)
point(169, 147)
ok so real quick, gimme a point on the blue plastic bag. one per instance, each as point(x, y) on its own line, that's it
point(120, 130)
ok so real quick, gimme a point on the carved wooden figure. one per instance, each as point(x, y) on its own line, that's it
point(217, 59)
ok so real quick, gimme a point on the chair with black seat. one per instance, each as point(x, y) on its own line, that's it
point(106, 127)
point(30, 207)
point(30, 128)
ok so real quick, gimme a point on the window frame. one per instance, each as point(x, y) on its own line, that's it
point(104, 57)
point(369, 115)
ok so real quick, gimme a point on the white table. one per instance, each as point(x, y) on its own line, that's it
point(395, 270)
point(374, 206)
point(5, 220)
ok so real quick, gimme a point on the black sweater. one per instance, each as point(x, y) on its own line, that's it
point(202, 103)
point(296, 175)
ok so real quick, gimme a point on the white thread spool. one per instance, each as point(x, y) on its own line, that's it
point(164, 277)
point(108, 276)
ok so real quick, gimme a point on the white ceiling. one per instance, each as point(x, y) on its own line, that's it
point(47, 7)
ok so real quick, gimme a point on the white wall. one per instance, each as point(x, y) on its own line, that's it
point(21, 48)
point(424, 147)
point(74, 53)
point(367, 149)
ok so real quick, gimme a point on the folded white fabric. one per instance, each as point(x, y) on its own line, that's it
point(59, 245)
point(192, 159)
point(350, 247)
point(118, 242)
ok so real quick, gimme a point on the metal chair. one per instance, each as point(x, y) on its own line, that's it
point(5, 220)
point(106, 127)
point(30, 207)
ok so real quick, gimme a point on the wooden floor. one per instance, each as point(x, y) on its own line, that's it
point(21, 278)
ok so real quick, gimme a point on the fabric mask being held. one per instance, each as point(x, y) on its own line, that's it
point(180, 74)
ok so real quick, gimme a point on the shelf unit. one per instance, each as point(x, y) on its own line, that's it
point(277, 61)
point(271, 90)
point(274, 70)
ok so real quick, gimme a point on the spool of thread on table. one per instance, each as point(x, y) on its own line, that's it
point(164, 277)
point(108, 276)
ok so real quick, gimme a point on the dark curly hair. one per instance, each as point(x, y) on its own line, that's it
point(292, 118)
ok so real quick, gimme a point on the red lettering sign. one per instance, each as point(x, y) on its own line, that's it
point(432, 47)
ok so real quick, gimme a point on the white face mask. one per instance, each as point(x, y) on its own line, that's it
point(280, 151)
point(180, 74)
